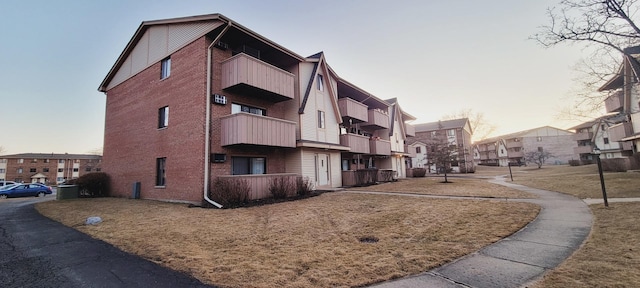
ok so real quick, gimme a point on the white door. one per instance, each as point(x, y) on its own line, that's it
point(322, 168)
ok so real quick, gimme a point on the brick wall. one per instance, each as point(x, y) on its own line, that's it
point(47, 167)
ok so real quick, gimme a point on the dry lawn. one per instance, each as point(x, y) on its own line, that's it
point(610, 257)
point(307, 243)
point(459, 187)
point(580, 181)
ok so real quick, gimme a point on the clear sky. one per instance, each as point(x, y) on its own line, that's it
point(436, 57)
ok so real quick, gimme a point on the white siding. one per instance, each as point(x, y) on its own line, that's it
point(320, 101)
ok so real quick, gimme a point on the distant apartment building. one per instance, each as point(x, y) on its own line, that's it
point(197, 98)
point(456, 133)
point(512, 148)
point(598, 133)
point(46, 168)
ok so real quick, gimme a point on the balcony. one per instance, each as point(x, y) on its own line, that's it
point(244, 74)
point(514, 144)
point(410, 130)
point(359, 144)
point(614, 102)
point(411, 150)
point(378, 119)
point(583, 150)
point(619, 131)
point(380, 147)
point(353, 110)
point(582, 136)
point(251, 129)
point(515, 154)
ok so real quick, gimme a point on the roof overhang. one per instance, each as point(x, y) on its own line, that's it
point(321, 145)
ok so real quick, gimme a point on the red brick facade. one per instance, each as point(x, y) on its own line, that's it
point(55, 167)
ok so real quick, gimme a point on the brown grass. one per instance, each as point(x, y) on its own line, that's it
point(307, 243)
point(611, 256)
point(458, 187)
point(580, 181)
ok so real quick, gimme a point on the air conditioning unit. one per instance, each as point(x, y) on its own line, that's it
point(222, 45)
point(219, 99)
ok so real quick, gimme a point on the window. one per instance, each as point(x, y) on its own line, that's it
point(161, 171)
point(539, 139)
point(61, 161)
point(32, 170)
point(3, 160)
point(60, 170)
point(45, 169)
point(248, 165)
point(320, 83)
point(59, 179)
point(46, 160)
point(98, 169)
point(540, 149)
point(237, 108)
point(75, 170)
point(165, 70)
point(34, 161)
point(434, 133)
point(163, 117)
point(418, 149)
point(20, 161)
point(606, 140)
point(320, 119)
point(88, 169)
point(19, 171)
point(3, 170)
point(451, 132)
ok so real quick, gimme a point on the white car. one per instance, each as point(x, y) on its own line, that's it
point(6, 183)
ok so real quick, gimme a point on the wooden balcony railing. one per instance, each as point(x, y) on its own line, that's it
point(357, 143)
point(619, 131)
point(614, 102)
point(410, 130)
point(244, 71)
point(353, 110)
point(514, 144)
point(377, 119)
point(583, 150)
point(245, 128)
point(259, 183)
point(411, 150)
point(582, 136)
point(380, 147)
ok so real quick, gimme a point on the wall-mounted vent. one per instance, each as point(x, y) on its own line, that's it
point(219, 99)
point(218, 158)
point(222, 45)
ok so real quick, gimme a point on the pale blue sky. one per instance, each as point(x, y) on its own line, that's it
point(437, 57)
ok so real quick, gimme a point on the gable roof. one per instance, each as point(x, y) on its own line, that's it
point(321, 65)
point(184, 36)
point(446, 124)
point(630, 57)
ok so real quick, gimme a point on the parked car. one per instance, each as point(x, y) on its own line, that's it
point(25, 190)
point(6, 183)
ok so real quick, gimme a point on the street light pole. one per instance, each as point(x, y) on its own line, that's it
point(596, 151)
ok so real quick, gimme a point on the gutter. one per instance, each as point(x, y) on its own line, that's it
point(207, 139)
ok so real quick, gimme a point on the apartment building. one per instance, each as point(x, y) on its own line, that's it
point(624, 100)
point(45, 168)
point(512, 148)
point(457, 132)
point(598, 133)
point(195, 98)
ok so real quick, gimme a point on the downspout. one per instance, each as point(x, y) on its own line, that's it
point(207, 139)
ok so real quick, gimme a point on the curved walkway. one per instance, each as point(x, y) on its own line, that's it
point(561, 227)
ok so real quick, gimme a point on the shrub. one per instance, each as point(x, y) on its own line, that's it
point(230, 192)
point(615, 164)
point(574, 162)
point(303, 185)
point(282, 187)
point(419, 172)
point(96, 184)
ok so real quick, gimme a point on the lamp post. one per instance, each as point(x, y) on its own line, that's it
point(596, 152)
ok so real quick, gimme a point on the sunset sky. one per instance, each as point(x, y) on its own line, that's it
point(436, 57)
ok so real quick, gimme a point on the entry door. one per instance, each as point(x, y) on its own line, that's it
point(322, 164)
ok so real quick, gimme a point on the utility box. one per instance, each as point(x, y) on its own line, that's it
point(136, 190)
point(67, 192)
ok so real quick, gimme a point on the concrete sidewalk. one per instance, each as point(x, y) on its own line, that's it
point(560, 229)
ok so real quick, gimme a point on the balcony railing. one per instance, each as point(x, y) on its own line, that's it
point(514, 144)
point(411, 150)
point(515, 154)
point(620, 131)
point(357, 143)
point(410, 130)
point(259, 183)
point(583, 150)
point(380, 147)
point(245, 128)
point(614, 102)
point(377, 119)
point(582, 136)
point(250, 75)
point(353, 110)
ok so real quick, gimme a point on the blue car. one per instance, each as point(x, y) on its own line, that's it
point(25, 190)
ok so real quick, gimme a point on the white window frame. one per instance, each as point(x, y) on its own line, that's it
point(321, 119)
point(163, 117)
point(165, 68)
point(320, 83)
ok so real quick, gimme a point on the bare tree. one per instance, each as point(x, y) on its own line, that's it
point(480, 127)
point(606, 27)
point(440, 152)
point(537, 157)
